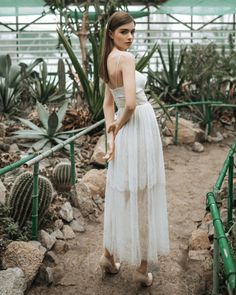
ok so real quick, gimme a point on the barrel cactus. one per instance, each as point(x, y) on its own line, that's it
point(20, 199)
point(62, 176)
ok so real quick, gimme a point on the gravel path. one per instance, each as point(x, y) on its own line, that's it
point(189, 176)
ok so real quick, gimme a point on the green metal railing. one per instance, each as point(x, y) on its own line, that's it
point(34, 160)
point(221, 245)
point(208, 104)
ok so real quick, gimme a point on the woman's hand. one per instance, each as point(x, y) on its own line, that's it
point(110, 147)
point(114, 128)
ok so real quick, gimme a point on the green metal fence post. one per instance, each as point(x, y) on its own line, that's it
point(176, 125)
point(224, 247)
point(230, 192)
point(216, 256)
point(208, 117)
point(35, 202)
point(72, 160)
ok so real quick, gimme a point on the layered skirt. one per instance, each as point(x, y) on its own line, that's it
point(135, 214)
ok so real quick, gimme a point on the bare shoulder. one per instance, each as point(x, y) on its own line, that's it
point(127, 58)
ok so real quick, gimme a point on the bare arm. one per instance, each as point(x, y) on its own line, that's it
point(109, 112)
point(128, 74)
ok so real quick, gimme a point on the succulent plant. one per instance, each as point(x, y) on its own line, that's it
point(62, 176)
point(11, 78)
point(20, 199)
point(48, 135)
point(46, 88)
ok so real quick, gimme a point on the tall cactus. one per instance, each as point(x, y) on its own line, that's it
point(20, 199)
point(62, 176)
point(61, 76)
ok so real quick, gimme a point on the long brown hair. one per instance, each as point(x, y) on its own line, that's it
point(116, 20)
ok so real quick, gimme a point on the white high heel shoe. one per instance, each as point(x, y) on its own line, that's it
point(144, 280)
point(107, 267)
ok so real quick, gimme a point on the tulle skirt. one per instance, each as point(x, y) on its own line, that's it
point(135, 215)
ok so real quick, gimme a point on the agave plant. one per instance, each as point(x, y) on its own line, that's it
point(47, 135)
point(167, 82)
point(11, 87)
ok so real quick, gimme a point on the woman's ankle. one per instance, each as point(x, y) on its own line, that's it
point(142, 267)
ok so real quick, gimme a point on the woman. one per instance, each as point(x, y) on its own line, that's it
point(135, 215)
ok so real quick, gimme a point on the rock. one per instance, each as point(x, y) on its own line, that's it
point(199, 240)
point(77, 214)
point(68, 232)
point(48, 275)
point(12, 282)
point(234, 229)
point(66, 212)
point(39, 246)
point(14, 148)
point(95, 180)
point(166, 132)
point(60, 247)
point(51, 257)
point(198, 254)
point(74, 196)
point(2, 193)
point(47, 240)
point(203, 256)
point(197, 147)
point(186, 131)
point(219, 137)
point(99, 152)
point(224, 215)
point(77, 226)
point(84, 201)
point(207, 217)
point(58, 224)
point(58, 234)
point(167, 141)
point(229, 127)
point(25, 256)
point(55, 274)
point(209, 227)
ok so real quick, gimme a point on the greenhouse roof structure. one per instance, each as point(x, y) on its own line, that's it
point(187, 7)
point(22, 7)
point(198, 7)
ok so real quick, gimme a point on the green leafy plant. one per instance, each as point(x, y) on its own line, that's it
point(45, 88)
point(47, 135)
point(11, 86)
point(167, 82)
point(204, 72)
point(228, 64)
point(93, 90)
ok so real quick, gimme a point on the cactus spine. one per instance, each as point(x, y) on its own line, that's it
point(20, 199)
point(62, 176)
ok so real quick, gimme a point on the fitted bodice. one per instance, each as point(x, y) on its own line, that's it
point(119, 93)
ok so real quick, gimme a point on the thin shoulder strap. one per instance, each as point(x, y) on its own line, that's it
point(117, 64)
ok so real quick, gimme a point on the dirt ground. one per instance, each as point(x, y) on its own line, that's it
point(189, 177)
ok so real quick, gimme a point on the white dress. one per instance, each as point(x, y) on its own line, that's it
point(135, 214)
